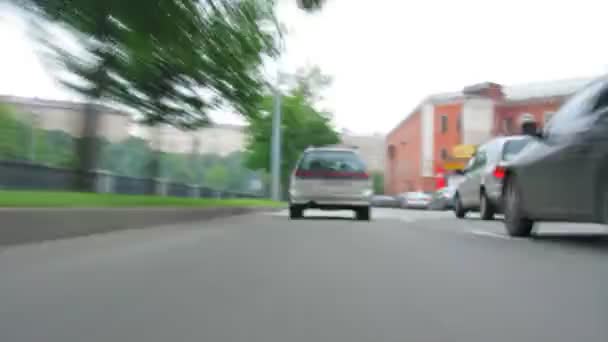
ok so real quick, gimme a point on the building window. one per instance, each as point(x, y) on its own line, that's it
point(444, 123)
point(508, 125)
point(444, 154)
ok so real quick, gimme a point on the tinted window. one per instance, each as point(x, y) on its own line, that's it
point(571, 117)
point(341, 161)
point(513, 147)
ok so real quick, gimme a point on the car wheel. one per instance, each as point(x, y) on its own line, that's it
point(363, 214)
point(295, 212)
point(486, 210)
point(515, 221)
point(459, 210)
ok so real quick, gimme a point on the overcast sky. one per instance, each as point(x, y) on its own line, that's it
point(386, 58)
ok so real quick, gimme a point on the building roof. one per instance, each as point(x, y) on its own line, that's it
point(521, 92)
point(55, 104)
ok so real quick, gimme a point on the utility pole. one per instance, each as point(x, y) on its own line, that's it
point(275, 150)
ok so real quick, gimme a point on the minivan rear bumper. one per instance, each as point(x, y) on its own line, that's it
point(331, 202)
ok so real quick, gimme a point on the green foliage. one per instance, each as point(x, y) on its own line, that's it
point(128, 158)
point(217, 177)
point(55, 148)
point(378, 182)
point(14, 135)
point(171, 60)
point(15, 199)
point(302, 126)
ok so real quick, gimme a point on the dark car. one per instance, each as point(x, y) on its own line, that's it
point(562, 175)
point(481, 188)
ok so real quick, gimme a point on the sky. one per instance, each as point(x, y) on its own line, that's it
point(387, 57)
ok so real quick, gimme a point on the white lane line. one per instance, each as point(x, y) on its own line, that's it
point(490, 234)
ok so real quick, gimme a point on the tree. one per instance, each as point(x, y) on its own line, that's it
point(217, 177)
point(302, 126)
point(378, 182)
point(171, 60)
point(14, 135)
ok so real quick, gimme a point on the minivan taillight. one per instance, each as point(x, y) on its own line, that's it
point(303, 174)
point(362, 175)
point(499, 172)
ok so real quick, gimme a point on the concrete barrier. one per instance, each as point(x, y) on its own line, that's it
point(27, 225)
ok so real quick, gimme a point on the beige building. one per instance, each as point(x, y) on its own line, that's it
point(371, 148)
point(218, 139)
point(67, 116)
point(117, 125)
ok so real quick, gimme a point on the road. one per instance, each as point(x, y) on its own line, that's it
point(405, 276)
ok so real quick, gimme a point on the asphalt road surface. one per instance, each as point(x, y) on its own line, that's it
point(405, 276)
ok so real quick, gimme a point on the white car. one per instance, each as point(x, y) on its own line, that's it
point(417, 200)
point(330, 178)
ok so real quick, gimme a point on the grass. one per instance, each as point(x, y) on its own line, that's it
point(40, 199)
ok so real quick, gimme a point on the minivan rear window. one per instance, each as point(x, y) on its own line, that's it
point(513, 147)
point(334, 161)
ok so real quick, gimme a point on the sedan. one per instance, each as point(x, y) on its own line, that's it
point(562, 174)
point(385, 201)
point(417, 200)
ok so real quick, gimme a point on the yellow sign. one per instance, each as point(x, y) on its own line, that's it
point(454, 165)
point(463, 151)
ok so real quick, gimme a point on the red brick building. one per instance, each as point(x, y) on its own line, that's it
point(422, 145)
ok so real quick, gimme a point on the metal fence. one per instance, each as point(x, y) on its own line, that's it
point(37, 152)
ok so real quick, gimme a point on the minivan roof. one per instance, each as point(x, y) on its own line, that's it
point(327, 148)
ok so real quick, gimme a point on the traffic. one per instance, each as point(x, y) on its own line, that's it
point(552, 174)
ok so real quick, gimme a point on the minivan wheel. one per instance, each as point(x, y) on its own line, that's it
point(363, 214)
point(459, 210)
point(486, 210)
point(515, 221)
point(295, 212)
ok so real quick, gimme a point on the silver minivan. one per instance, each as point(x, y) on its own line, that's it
point(481, 188)
point(330, 178)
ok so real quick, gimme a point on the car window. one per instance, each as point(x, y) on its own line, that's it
point(470, 164)
point(513, 147)
point(480, 158)
point(574, 115)
point(341, 161)
point(493, 151)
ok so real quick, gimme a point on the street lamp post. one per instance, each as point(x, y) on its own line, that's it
point(275, 150)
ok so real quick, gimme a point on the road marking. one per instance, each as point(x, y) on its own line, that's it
point(490, 234)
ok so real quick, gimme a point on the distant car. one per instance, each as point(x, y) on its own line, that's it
point(481, 188)
point(385, 201)
point(330, 178)
point(417, 200)
point(562, 175)
point(401, 200)
point(443, 199)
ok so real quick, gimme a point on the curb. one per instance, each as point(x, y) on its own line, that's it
point(28, 225)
